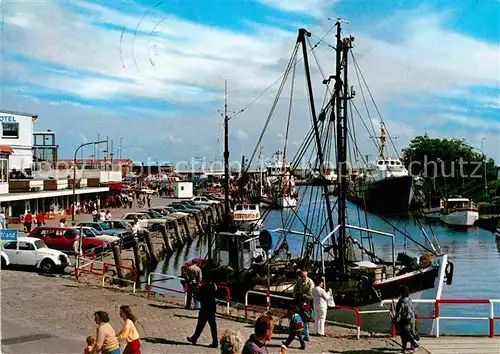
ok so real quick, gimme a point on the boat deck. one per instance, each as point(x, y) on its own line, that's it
point(461, 345)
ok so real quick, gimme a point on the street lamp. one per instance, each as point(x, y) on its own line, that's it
point(484, 165)
point(74, 172)
point(105, 153)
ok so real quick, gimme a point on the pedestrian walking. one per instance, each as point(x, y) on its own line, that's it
point(102, 215)
point(303, 288)
point(405, 321)
point(3, 220)
point(296, 328)
point(208, 309)
point(108, 215)
point(106, 342)
point(129, 331)
point(40, 219)
point(307, 314)
point(231, 342)
point(193, 275)
point(95, 216)
point(28, 221)
point(262, 333)
point(320, 305)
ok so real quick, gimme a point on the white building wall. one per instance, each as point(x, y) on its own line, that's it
point(22, 145)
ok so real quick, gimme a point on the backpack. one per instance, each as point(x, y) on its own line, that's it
point(307, 313)
point(296, 323)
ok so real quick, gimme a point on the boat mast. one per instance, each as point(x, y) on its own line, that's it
point(302, 39)
point(261, 166)
point(342, 97)
point(383, 140)
point(227, 219)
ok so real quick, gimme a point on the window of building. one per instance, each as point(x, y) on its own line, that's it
point(10, 130)
point(4, 170)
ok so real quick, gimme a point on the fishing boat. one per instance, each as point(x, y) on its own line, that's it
point(339, 250)
point(280, 189)
point(460, 212)
point(385, 187)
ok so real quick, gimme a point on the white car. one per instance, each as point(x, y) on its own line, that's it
point(145, 221)
point(31, 251)
point(98, 235)
point(204, 200)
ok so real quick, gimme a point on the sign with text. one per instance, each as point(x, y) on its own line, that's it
point(8, 235)
point(7, 119)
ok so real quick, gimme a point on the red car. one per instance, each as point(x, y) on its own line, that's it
point(63, 238)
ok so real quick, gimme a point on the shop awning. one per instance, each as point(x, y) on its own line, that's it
point(117, 186)
point(6, 149)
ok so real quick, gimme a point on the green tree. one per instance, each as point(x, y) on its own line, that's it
point(450, 165)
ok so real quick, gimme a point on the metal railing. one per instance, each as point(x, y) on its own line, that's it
point(166, 277)
point(437, 312)
point(131, 268)
point(282, 312)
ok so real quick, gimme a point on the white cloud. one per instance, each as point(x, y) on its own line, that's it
point(173, 139)
point(241, 134)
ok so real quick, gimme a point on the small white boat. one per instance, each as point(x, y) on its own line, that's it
point(246, 214)
point(459, 212)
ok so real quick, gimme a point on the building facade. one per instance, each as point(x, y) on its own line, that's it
point(17, 133)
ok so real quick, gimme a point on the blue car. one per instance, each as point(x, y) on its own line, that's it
point(102, 227)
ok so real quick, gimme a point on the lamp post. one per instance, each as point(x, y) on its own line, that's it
point(484, 166)
point(74, 172)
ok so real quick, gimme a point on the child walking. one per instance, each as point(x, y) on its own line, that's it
point(296, 328)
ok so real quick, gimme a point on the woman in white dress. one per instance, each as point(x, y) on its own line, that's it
point(320, 301)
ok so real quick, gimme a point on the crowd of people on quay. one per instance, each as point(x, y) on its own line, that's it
point(310, 305)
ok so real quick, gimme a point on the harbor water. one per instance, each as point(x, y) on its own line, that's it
point(474, 252)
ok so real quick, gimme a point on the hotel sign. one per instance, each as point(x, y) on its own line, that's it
point(7, 118)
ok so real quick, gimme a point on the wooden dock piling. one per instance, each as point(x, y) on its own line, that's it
point(151, 248)
point(118, 261)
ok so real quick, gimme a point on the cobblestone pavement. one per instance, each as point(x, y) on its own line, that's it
point(56, 316)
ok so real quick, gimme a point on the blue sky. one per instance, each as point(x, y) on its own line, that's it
point(153, 72)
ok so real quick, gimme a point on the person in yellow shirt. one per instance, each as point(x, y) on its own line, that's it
point(106, 342)
point(129, 332)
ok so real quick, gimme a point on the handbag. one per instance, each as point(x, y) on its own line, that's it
point(330, 302)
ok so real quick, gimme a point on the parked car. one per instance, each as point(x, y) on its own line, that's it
point(204, 200)
point(102, 227)
point(175, 212)
point(193, 205)
point(184, 209)
point(144, 219)
point(33, 252)
point(62, 238)
point(98, 235)
point(117, 224)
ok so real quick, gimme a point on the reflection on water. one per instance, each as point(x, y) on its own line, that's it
point(475, 253)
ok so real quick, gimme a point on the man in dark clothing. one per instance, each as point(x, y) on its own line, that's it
point(207, 297)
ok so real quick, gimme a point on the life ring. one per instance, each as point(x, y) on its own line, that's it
point(448, 272)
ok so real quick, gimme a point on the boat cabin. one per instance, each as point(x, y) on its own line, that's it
point(237, 250)
point(458, 204)
point(246, 212)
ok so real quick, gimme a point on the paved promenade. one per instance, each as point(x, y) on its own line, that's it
point(47, 314)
